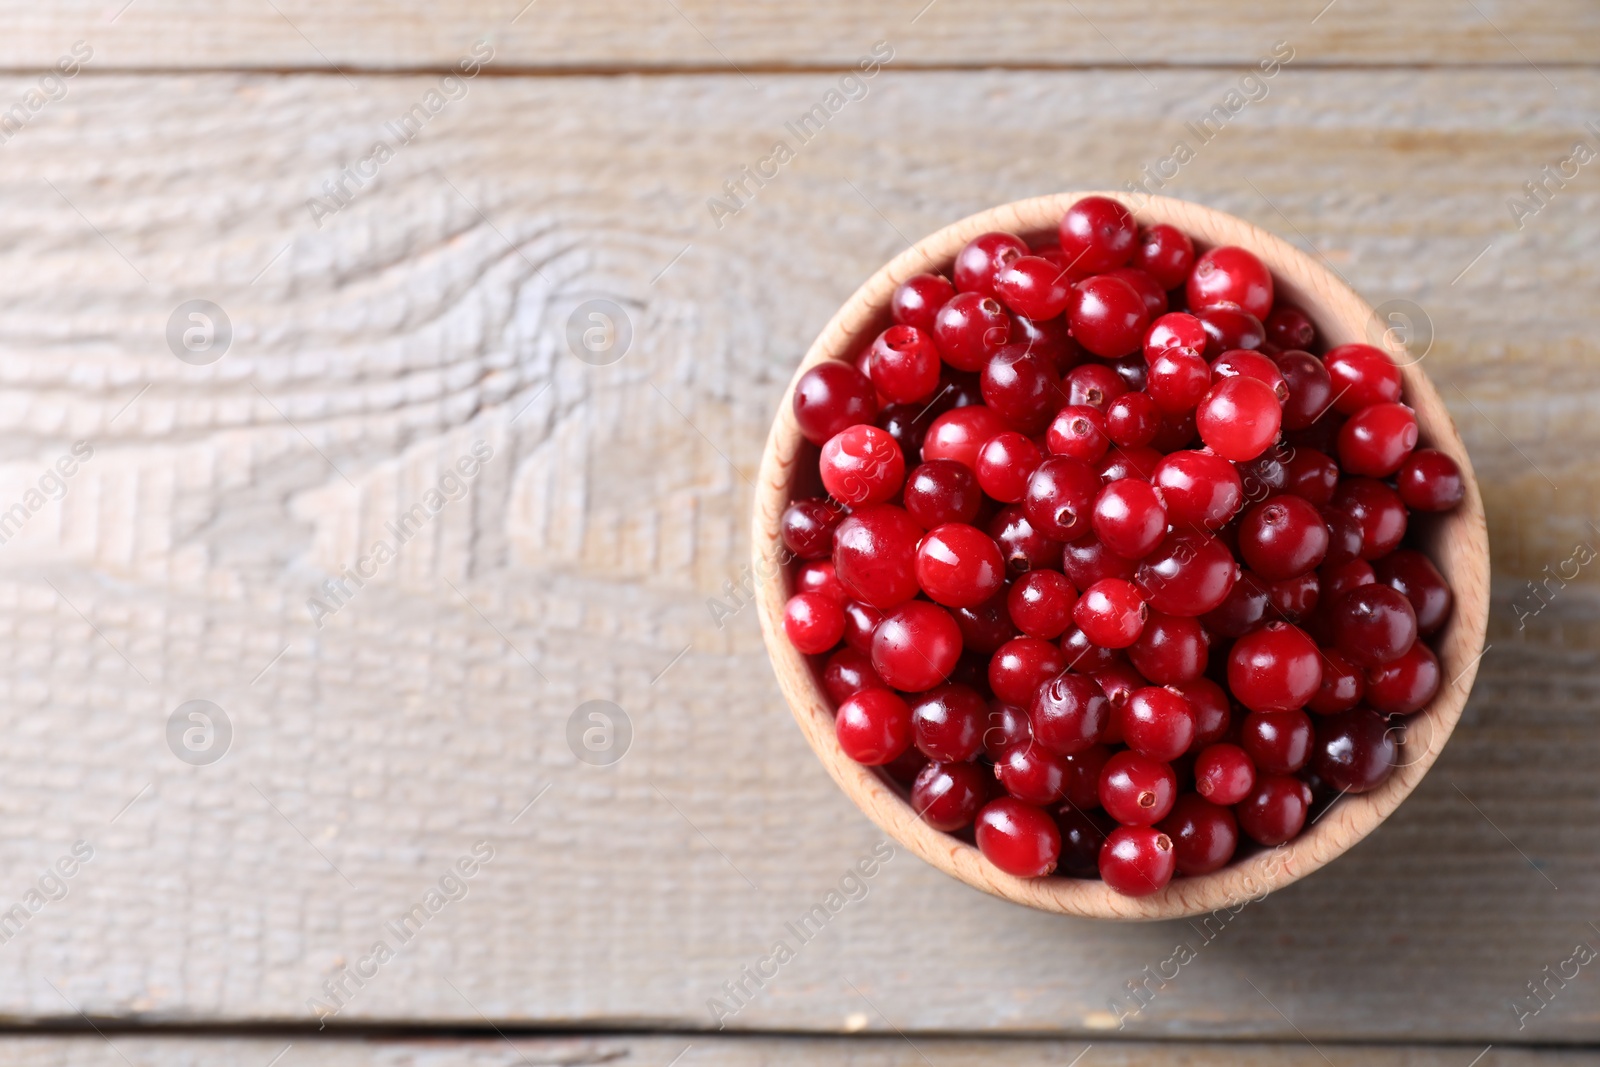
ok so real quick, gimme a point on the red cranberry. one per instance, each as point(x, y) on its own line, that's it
point(1373, 625)
point(1312, 476)
point(986, 627)
point(979, 263)
point(1378, 514)
point(916, 646)
point(1060, 498)
point(1282, 537)
point(1069, 714)
point(1132, 420)
point(862, 465)
point(970, 328)
point(1111, 613)
point(814, 622)
point(1005, 463)
point(959, 566)
point(1137, 861)
point(1429, 480)
point(1033, 287)
point(1021, 387)
point(918, 299)
point(1234, 276)
point(1289, 328)
point(948, 795)
point(959, 434)
point(1177, 432)
point(1032, 775)
point(1295, 598)
point(1355, 750)
point(1041, 603)
point(831, 397)
point(1210, 702)
point(875, 555)
point(1187, 574)
point(1086, 561)
point(1377, 439)
point(1109, 318)
point(1414, 576)
point(1079, 431)
point(1362, 376)
point(1122, 463)
point(1170, 649)
point(1154, 297)
point(849, 672)
point(1129, 518)
point(1404, 685)
point(1243, 363)
point(807, 527)
point(873, 727)
point(1228, 328)
point(903, 364)
point(948, 722)
point(1158, 723)
point(1223, 774)
point(1275, 810)
point(1084, 655)
point(1175, 331)
point(1083, 777)
point(1049, 337)
point(1018, 838)
point(1093, 385)
point(818, 576)
point(1097, 234)
point(942, 491)
point(1165, 253)
point(1203, 834)
point(1200, 489)
point(859, 622)
point(1082, 836)
point(1023, 547)
point(1277, 742)
point(1266, 474)
point(1310, 388)
point(1136, 790)
point(1275, 668)
point(1342, 687)
point(1009, 728)
point(1242, 609)
point(1021, 666)
point(1238, 418)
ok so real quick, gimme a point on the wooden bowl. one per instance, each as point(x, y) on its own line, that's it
point(1457, 542)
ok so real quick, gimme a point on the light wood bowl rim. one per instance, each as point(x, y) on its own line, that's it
point(1458, 544)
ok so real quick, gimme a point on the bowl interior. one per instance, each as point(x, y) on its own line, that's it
point(1457, 543)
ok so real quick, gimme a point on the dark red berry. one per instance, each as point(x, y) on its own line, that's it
point(1083, 833)
point(847, 673)
point(1404, 685)
point(1429, 480)
point(1021, 545)
point(1132, 420)
point(1355, 750)
point(1136, 790)
point(1373, 625)
point(1069, 714)
point(1018, 838)
point(1312, 476)
point(831, 397)
point(1342, 687)
point(1282, 537)
point(1129, 518)
point(1414, 576)
point(916, 646)
point(1277, 742)
point(1379, 516)
point(948, 795)
point(1033, 775)
point(942, 491)
point(1223, 774)
point(1158, 723)
point(1093, 385)
point(859, 622)
point(1154, 297)
point(970, 328)
point(1204, 835)
point(1242, 610)
point(807, 527)
point(1022, 387)
point(986, 627)
point(1188, 574)
point(1060, 498)
point(1289, 328)
point(948, 722)
point(1021, 666)
point(1165, 253)
point(1361, 375)
point(1137, 861)
point(1170, 649)
point(1275, 810)
point(1310, 388)
point(918, 299)
point(1228, 328)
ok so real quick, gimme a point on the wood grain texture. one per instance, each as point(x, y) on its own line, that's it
point(431, 312)
point(1458, 544)
point(559, 35)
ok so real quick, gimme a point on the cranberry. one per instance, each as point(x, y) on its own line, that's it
point(1242, 609)
point(917, 300)
point(1109, 318)
point(959, 566)
point(1097, 234)
point(1086, 561)
point(941, 491)
point(1277, 742)
point(847, 673)
point(1200, 489)
point(1203, 834)
point(1243, 363)
point(814, 622)
point(1238, 418)
point(1122, 463)
point(1022, 387)
point(1041, 602)
point(1069, 714)
point(1082, 836)
point(873, 727)
point(1136, 790)
point(947, 723)
point(831, 397)
point(1021, 666)
point(1033, 287)
point(1023, 547)
point(1313, 476)
point(986, 627)
point(1154, 297)
point(1018, 838)
point(862, 465)
point(1212, 717)
point(1111, 613)
point(1083, 777)
point(1050, 337)
point(807, 527)
point(1344, 536)
point(1158, 723)
point(916, 646)
point(1373, 625)
point(1275, 810)
point(1310, 388)
point(1362, 376)
point(959, 434)
point(1266, 474)
point(818, 576)
point(1404, 685)
point(1033, 775)
point(1282, 537)
point(875, 555)
point(1339, 580)
point(1060, 497)
point(1355, 750)
point(1233, 276)
point(1414, 576)
point(1223, 774)
point(859, 622)
point(1429, 480)
point(979, 263)
point(1342, 687)
point(1093, 385)
point(1170, 649)
point(1165, 253)
point(1084, 655)
point(1377, 511)
point(1229, 328)
point(1079, 431)
point(1377, 439)
point(1187, 574)
point(948, 795)
point(1177, 331)
point(1275, 668)
point(1295, 598)
point(970, 328)
point(1132, 420)
point(1129, 518)
point(1289, 328)
point(1137, 861)
point(1005, 463)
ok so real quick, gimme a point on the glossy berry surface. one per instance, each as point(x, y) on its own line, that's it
point(1097, 234)
point(1170, 649)
point(813, 621)
point(1204, 834)
point(831, 397)
point(1187, 574)
point(1069, 714)
point(862, 465)
point(903, 365)
point(1137, 790)
point(807, 527)
point(875, 555)
point(1080, 432)
point(1231, 276)
point(1165, 253)
point(1429, 480)
point(959, 566)
point(942, 491)
point(1224, 774)
point(1137, 861)
point(970, 328)
point(1373, 625)
point(1034, 288)
point(979, 263)
point(1282, 537)
point(1355, 750)
point(1129, 518)
point(1018, 838)
point(1404, 685)
point(1040, 603)
point(1275, 810)
point(1111, 612)
point(873, 727)
point(1277, 742)
point(947, 723)
point(1238, 418)
point(1005, 463)
point(1158, 723)
point(915, 647)
point(918, 299)
point(1275, 668)
point(1377, 439)
point(1060, 498)
point(1200, 489)
point(1021, 666)
point(1414, 576)
point(1361, 376)
point(948, 795)
point(1108, 317)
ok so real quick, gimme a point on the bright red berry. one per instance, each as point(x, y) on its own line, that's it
point(1018, 838)
point(1429, 480)
point(873, 727)
point(1230, 275)
point(1111, 612)
point(1137, 861)
point(1223, 774)
point(1275, 668)
point(1097, 234)
point(862, 465)
point(814, 622)
point(1238, 418)
point(959, 566)
point(916, 646)
point(831, 397)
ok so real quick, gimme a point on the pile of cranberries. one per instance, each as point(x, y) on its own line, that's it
point(1106, 564)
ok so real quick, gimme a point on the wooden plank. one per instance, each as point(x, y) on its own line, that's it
point(137, 1050)
point(701, 34)
point(370, 754)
